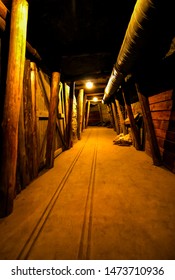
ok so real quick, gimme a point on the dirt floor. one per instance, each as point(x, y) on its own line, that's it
point(100, 202)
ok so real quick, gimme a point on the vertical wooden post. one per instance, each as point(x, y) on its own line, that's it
point(134, 128)
point(88, 111)
point(84, 112)
point(14, 85)
point(80, 112)
point(51, 128)
point(69, 127)
point(34, 120)
point(122, 125)
point(117, 127)
point(149, 128)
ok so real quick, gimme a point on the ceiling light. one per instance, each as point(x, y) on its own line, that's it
point(95, 99)
point(89, 85)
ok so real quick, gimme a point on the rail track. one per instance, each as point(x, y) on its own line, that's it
point(85, 235)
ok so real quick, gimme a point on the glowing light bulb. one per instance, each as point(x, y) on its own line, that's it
point(89, 85)
point(95, 99)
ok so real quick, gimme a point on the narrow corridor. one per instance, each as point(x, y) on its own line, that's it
point(100, 201)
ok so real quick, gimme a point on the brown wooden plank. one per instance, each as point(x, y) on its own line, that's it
point(13, 95)
point(162, 106)
point(160, 133)
point(164, 115)
point(3, 10)
point(149, 128)
point(166, 95)
point(2, 24)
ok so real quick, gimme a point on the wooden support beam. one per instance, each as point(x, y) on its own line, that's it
point(149, 128)
point(80, 99)
point(134, 129)
point(2, 24)
point(14, 85)
point(122, 124)
point(84, 112)
point(114, 109)
point(3, 10)
point(69, 126)
point(87, 112)
point(52, 120)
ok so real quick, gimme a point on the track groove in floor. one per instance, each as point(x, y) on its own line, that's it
point(25, 252)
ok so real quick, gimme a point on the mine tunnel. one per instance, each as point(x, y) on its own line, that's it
point(87, 136)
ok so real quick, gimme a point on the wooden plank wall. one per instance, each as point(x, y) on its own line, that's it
point(33, 123)
point(162, 108)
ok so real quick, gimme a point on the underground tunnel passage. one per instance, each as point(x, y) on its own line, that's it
point(87, 173)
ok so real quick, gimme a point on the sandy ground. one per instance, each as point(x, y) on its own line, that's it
point(100, 202)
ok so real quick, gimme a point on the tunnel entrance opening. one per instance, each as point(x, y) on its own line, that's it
point(94, 116)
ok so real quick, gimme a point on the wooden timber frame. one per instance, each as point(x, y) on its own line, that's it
point(134, 129)
point(69, 126)
point(88, 104)
point(116, 123)
point(14, 87)
point(52, 119)
point(156, 156)
point(80, 106)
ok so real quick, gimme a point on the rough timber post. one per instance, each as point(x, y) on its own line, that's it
point(69, 126)
point(88, 111)
point(80, 112)
point(52, 120)
point(14, 87)
point(134, 129)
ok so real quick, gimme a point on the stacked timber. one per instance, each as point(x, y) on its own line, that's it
point(162, 107)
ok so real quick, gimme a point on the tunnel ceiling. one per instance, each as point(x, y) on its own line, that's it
point(82, 38)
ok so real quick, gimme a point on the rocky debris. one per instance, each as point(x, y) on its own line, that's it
point(123, 140)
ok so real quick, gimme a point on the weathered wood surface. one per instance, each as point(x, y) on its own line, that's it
point(87, 112)
point(117, 126)
point(134, 129)
point(155, 152)
point(2, 24)
point(52, 119)
point(166, 95)
point(122, 124)
point(34, 122)
point(3, 10)
point(69, 126)
point(80, 102)
point(17, 47)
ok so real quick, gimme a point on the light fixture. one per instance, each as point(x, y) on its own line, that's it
point(89, 85)
point(95, 99)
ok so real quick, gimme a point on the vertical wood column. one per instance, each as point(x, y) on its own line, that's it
point(14, 85)
point(80, 112)
point(134, 128)
point(117, 127)
point(149, 128)
point(34, 120)
point(122, 125)
point(51, 128)
point(87, 113)
point(84, 112)
point(69, 127)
